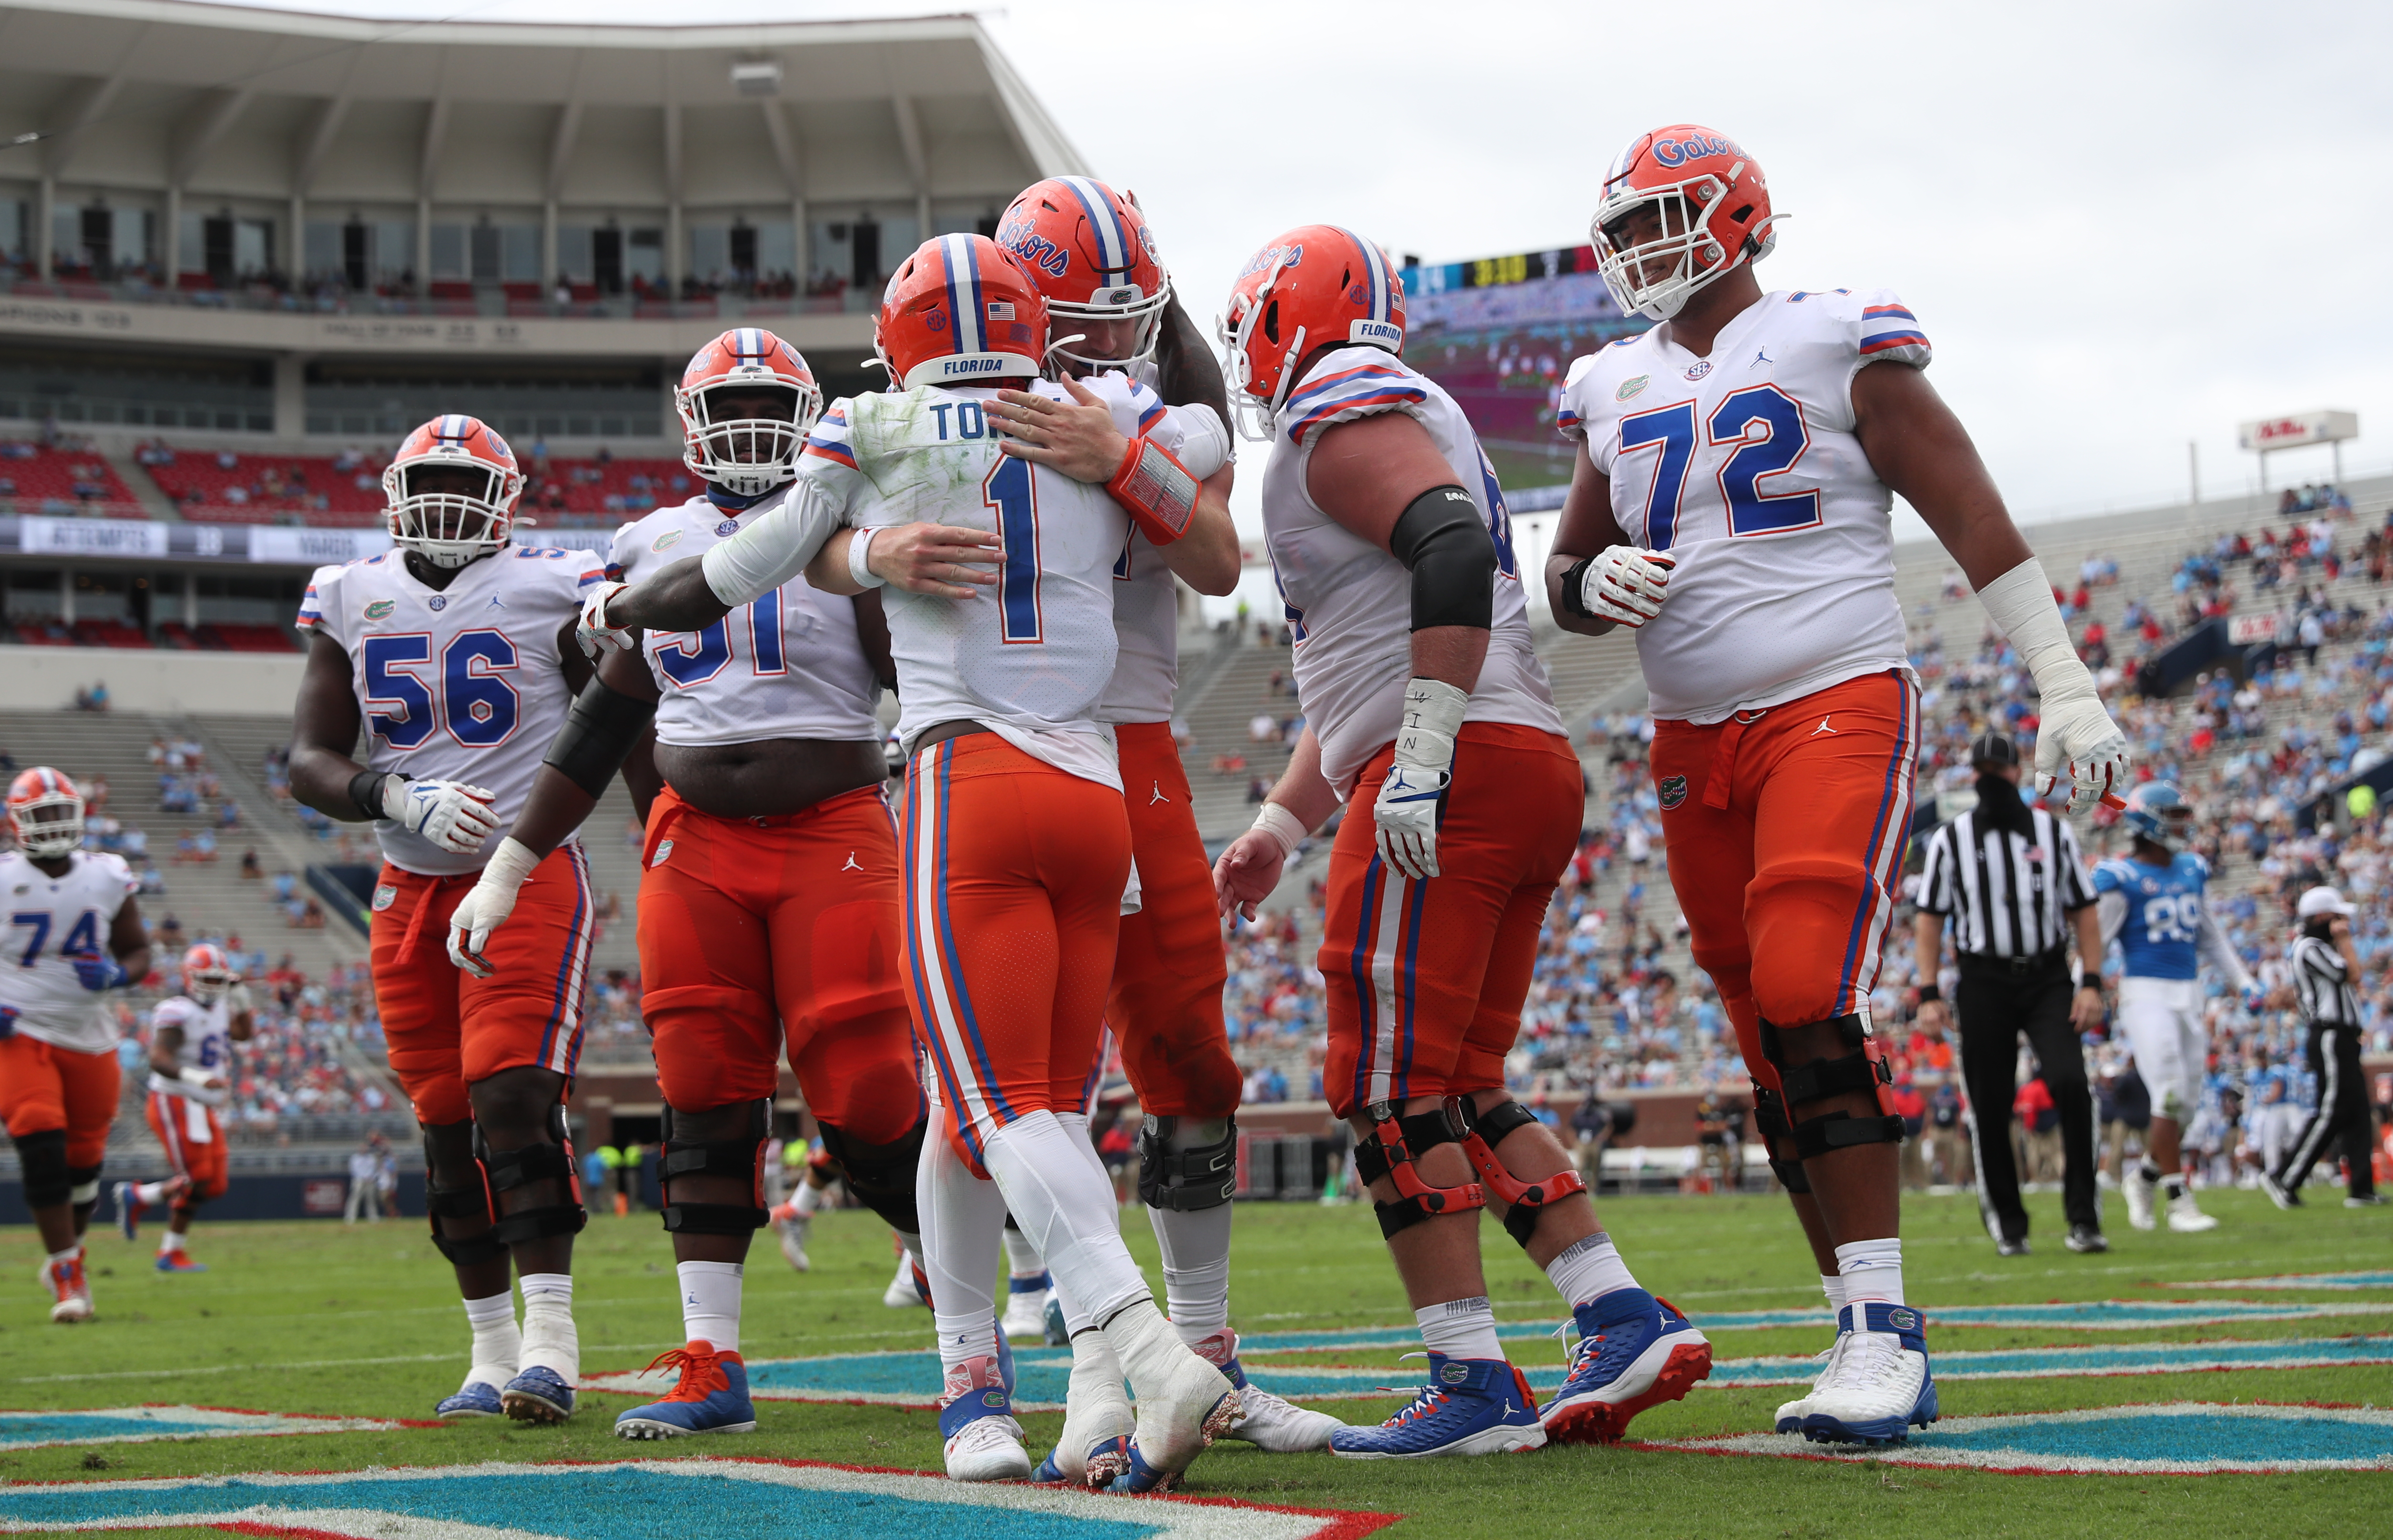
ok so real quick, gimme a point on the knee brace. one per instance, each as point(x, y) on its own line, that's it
point(506, 1170)
point(1861, 1069)
point(1479, 1133)
point(1203, 1175)
point(48, 1183)
point(881, 1176)
point(742, 1157)
point(1389, 1152)
point(469, 1202)
point(82, 1191)
point(1777, 1133)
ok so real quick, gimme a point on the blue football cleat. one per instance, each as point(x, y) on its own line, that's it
point(1469, 1406)
point(539, 1394)
point(1878, 1386)
point(1634, 1351)
point(475, 1399)
point(128, 1209)
point(711, 1397)
point(178, 1262)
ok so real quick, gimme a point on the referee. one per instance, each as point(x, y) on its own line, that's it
point(2324, 967)
point(2011, 880)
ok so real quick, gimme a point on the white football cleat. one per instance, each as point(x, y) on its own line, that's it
point(1270, 1424)
point(793, 1243)
point(1790, 1412)
point(1878, 1386)
point(984, 1442)
point(68, 1289)
point(1025, 1315)
point(2186, 1217)
point(905, 1290)
point(2142, 1200)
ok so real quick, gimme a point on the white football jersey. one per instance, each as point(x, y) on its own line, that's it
point(462, 683)
point(1146, 595)
point(1349, 603)
point(786, 665)
point(1744, 466)
point(52, 920)
point(207, 1044)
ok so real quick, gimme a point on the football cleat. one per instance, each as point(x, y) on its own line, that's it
point(710, 1397)
point(69, 1287)
point(1058, 1334)
point(1272, 1425)
point(1790, 1412)
point(1197, 1405)
point(180, 1261)
point(2142, 1194)
point(2185, 1215)
point(1026, 1314)
point(474, 1399)
point(984, 1442)
point(2278, 1194)
point(1633, 1351)
point(539, 1394)
point(2006, 1246)
point(2365, 1200)
point(2085, 1237)
point(1098, 1423)
point(1469, 1406)
point(128, 1208)
point(794, 1242)
point(1878, 1386)
point(908, 1287)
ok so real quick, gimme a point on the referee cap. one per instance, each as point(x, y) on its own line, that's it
point(1994, 748)
point(2319, 901)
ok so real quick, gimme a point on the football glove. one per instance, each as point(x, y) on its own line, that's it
point(486, 905)
point(236, 1000)
point(1407, 810)
point(451, 814)
point(2078, 746)
point(591, 632)
point(1625, 585)
point(97, 973)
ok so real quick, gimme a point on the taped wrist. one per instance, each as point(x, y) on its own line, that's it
point(1156, 490)
point(1282, 826)
point(881, 1176)
point(2020, 604)
point(1445, 543)
point(1574, 593)
point(598, 735)
point(366, 793)
point(741, 1159)
point(1525, 1200)
point(1204, 1176)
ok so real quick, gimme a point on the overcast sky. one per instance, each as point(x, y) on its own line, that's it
point(2124, 226)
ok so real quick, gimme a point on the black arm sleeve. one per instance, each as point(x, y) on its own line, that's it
point(1440, 539)
point(598, 735)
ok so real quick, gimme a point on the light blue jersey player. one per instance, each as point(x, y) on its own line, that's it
point(2151, 904)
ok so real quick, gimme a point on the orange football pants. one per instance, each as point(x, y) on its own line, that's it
point(44, 1087)
point(1169, 969)
point(1425, 980)
point(203, 1160)
point(446, 1029)
point(1784, 830)
point(1014, 872)
point(758, 935)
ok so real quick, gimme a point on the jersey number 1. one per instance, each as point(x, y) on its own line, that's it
point(1010, 490)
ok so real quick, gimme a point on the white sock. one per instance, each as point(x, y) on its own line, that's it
point(70, 1254)
point(1872, 1271)
point(963, 1217)
point(1022, 1259)
point(549, 1339)
point(149, 1193)
point(1196, 1245)
point(169, 1241)
point(808, 1199)
point(498, 1343)
point(1066, 1209)
point(710, 1303)
point(1833, 1286)
point(1589, 1269)
point(1460, 1328)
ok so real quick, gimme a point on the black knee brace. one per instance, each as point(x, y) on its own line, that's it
point(742, 1157)
point(48, 1183)
point(550, 1160)
point(1479, 1133)
point(1204, 1177)
point(1777, 1133)
point(1861, 1069)
point(469, 1202)
point(1390, 1153)
point(881, 1176)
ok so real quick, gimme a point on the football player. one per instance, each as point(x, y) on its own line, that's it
point(2153, 903)
point(770, 882)
point(452, 651)
point(76, 933)
point(1424, 697)
point(1092, 253)
point(191, 1036)
point(1016, 839)
point(1730, 506)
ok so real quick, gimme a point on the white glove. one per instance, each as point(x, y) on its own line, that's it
point(486, 905)
point(2076, 742)
point(1407, 810)
point(1625, 585)
point(591, 632)
point(451, 814)
point(236, 1000)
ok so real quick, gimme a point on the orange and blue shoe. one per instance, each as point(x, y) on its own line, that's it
point(1469, 1406)
point(70, 1289)
point(180, 1261)
point(128, 1207)
point(710, 1397)
point(1634, 1351)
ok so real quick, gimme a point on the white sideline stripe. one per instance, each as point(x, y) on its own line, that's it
point(236, 1368)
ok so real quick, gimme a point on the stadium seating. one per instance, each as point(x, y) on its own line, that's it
point(34, 479)
point(269, 488)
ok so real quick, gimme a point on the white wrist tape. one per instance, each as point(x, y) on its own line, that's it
point(2020, 604)
point(394, 797)
point(1283, 826)
point(510, 864)
point(192, 1075)
point(859, 556)
point(1434, 712)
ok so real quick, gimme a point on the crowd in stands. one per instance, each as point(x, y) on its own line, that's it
point(61, 475)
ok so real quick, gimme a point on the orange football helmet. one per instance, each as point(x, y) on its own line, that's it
point(960, 311)
point(1317, 284)
point(745, 456)
point(208, 973)
point(37, 791)
point(1088, 250)
point(1713, 206)
point(449, 528)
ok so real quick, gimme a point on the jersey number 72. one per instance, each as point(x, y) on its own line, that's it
point(1765, 427)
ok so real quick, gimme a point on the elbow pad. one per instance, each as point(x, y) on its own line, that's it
point(597, 737)
point(1445, 543)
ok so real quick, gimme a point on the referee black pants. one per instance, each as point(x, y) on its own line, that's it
point(2341, 1119)
point(1995, 1003)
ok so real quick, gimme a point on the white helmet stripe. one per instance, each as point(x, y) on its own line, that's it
point(964, 293)
point(1113, 241)
point(1378, 270)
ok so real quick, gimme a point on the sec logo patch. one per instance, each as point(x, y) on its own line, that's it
point(1700, 368)
point(1673, 791)
point(380, 609)
point(384, 896)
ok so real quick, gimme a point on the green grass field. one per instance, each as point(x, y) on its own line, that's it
point(364, 1322)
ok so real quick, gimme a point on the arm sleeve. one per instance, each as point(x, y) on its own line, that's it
point(2211, 942)
point(2114, 913)
point(777, 547)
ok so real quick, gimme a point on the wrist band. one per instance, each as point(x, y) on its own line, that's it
point(1929, 993)
point(858, 555)
point(1283, 826)
point(365, 791)
point(1155, 489)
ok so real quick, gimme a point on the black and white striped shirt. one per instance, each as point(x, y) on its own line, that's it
point(2324, 984)
point(2007, 897)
